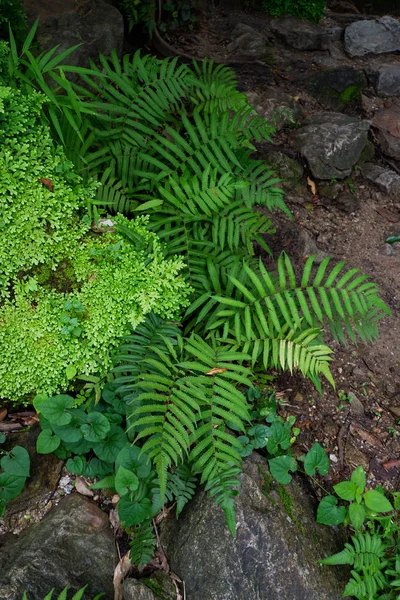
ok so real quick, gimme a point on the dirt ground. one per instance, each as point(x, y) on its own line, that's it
point(359, 422)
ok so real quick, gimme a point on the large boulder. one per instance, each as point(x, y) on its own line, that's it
point(300, 34)
point(338, 87)
point(97, 26)
point(332, 143)
point(248, 41)
point(73, 545)
point(385, 79)
point(372, 37)
point(274, 554)
point(386, 125)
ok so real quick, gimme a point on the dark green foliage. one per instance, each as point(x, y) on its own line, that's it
point(12, 14)
point(312, 10)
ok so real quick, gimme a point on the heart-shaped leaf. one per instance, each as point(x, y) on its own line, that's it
point(96, 428)
point(109, 448)
point(280, 467)
point(17, 463)
point(328, 513)
point(10, 486)
point(133, 459)
point(358, 477)
point(133, 513)
point(316, 458)
point(125, 481)
point(47, 442)
point(54, 409)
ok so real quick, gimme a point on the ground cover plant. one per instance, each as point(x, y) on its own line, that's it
point(175, 144)
point(313, 11)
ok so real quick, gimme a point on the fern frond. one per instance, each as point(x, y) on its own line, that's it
point(142, 544)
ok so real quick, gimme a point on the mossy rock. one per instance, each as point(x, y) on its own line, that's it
point(338, 88)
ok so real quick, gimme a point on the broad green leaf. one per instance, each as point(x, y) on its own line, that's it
point(109, 448)
point(359, 478)
point(377, 502)
point(54, 409)
point(280, 467)
point(357, 515)
point(96, 428)
point(260, 433)
point(125, 481)
point(10, 486)
point(76, 465)
point(328, 513)
point(17, 463)
point(278, 435)
point(105, 483)
point(346, 490)
point(316, 458)
point(3, 437)
point(47, 442)
point(131, 458)
point(70, 433)
point(133, 513)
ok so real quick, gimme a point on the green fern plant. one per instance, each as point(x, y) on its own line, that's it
point(64, 595)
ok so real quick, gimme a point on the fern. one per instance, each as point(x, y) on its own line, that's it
point(142, 544)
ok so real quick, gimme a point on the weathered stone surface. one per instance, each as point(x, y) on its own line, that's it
point(136, 590)
point(278, 108)
point(30, 505)
point(338, 87)
point(385, 79)
point(73, 545)
point(300, 34)
point(386, 180)
point(386, 125)
point(274, 554)
point(372, 37)
point(289, 170)
point(96, 25)
point(248, 41)
point(332, 143)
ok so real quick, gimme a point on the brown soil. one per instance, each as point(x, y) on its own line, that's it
point(359, 422)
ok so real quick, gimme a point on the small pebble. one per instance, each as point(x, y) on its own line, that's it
point(388, 250)
point(333, 458)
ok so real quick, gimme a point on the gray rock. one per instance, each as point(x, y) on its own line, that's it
point(300, 34)
point(332, 143)
point(73, 545)
point(338, 87)
point(385, 79)
point(386, 180)
point(388, 250)
point(135, 590)
point(278, 108)
point(248, 41)
point(95, 24)
point(274, 554)
point(372, 37)
point(290, 171)
point(386, 125)
point(335, 34)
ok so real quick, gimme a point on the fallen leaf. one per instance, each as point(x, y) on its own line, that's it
point(216, 371)
point(29, 421)
point(391, 464)
point(3, 414)
point(114, 520)
point(312, 186)
point(367, 437)
point(82, 487)
point(175, 580)
point(47, 182)
point(120, 572)
point(390, 215)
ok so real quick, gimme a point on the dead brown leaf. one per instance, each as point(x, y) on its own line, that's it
point(364, 435)
point(312, 186)
point(82, 487)
point(390, 215)
point(216, 371)
point(47, 182)
point(3, 414)
point(120, 572)
point(391, 464)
